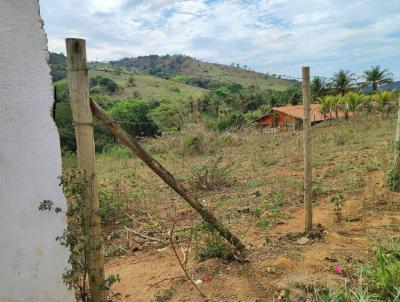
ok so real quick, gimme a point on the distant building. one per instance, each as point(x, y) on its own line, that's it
point(291, 117)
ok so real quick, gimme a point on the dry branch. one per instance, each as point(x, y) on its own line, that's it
point(165, 175)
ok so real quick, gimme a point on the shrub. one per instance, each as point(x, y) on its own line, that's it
point(120, 151)
point(193, 144)
point(210, 244)
point(341, 137)
point(111, 207)
point(133, 116)
point(167, 117)
point(393, 179)
point(233, 120)
point(212, 174)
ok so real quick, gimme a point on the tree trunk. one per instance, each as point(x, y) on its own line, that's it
point(374, 87)
point(165, 175)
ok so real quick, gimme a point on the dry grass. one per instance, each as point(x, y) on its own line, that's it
point(264, 197)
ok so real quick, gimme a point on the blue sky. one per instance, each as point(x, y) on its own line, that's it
point(272, 36)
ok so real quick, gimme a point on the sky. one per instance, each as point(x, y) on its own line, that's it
point(271, 36)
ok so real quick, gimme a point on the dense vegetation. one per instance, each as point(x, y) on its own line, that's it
point(126, 89)
point(58, 66)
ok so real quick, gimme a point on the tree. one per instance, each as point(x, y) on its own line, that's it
point(383, 100)
point(325, 105)
point(133, 115)
point(342, 81)
point(353, 99)
point(375, 77)
point(167, 117)
point(319, 88)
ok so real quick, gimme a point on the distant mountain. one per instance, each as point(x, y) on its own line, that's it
point(393, 86)
point(201, 74)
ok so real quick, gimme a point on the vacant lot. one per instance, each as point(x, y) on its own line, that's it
point(253, 183)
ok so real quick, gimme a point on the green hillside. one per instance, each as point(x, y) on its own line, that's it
point(146, 87)
point(202, 74)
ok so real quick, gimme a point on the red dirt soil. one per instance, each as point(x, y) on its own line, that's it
point(289, 261)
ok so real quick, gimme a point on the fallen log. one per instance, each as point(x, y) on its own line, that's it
point(165, 175)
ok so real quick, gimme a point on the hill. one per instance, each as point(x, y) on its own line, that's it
point(146, 87)
point(143, 85)
point(202, 74)
point(389, 87)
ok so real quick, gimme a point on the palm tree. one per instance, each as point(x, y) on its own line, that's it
point(319, 88)
point(383, 100)
point(353, 99)
point(325, 105)
point(342, 81)
point(336, 104)
point(375, 77)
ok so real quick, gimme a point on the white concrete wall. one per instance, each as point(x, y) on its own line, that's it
point(31, 261)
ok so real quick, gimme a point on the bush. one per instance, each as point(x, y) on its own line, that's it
point(120, 152)
point(167, 117)
point(106, 83)
point(111, 209)
point(213, 174)
point(193, 144)
point(233, 120)
point(341, 137)
point(210, 244)
point(133, 116)
point(393, 179)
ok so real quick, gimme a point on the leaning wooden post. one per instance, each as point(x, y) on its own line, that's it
point(165, 175)
point(307, 149)
point(78, 85)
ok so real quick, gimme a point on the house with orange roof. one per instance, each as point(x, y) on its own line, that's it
point(291, 117)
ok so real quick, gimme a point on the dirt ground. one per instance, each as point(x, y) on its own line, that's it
point(289, 263)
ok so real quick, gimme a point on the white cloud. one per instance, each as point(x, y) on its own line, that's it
point(276, 36)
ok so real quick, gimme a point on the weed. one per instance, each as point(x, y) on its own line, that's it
point(264, 223)
point(120, 152)
point(111, 206)
point(194, 144)
point(252, 183)
point(341, 137)
point(383, 275)
point(373, 164)
point(355, 182)
point(210, 244)
point(166, 295)
point(338, 201)
point(213, 174)
point(377, 282)
point(332, 296)
point(393, 179)
point(317, 188)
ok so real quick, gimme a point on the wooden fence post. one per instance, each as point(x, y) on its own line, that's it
point(307, 150)
point(397, 144)
point(78, 85)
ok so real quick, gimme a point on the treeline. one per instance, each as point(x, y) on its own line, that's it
point(161, 66)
